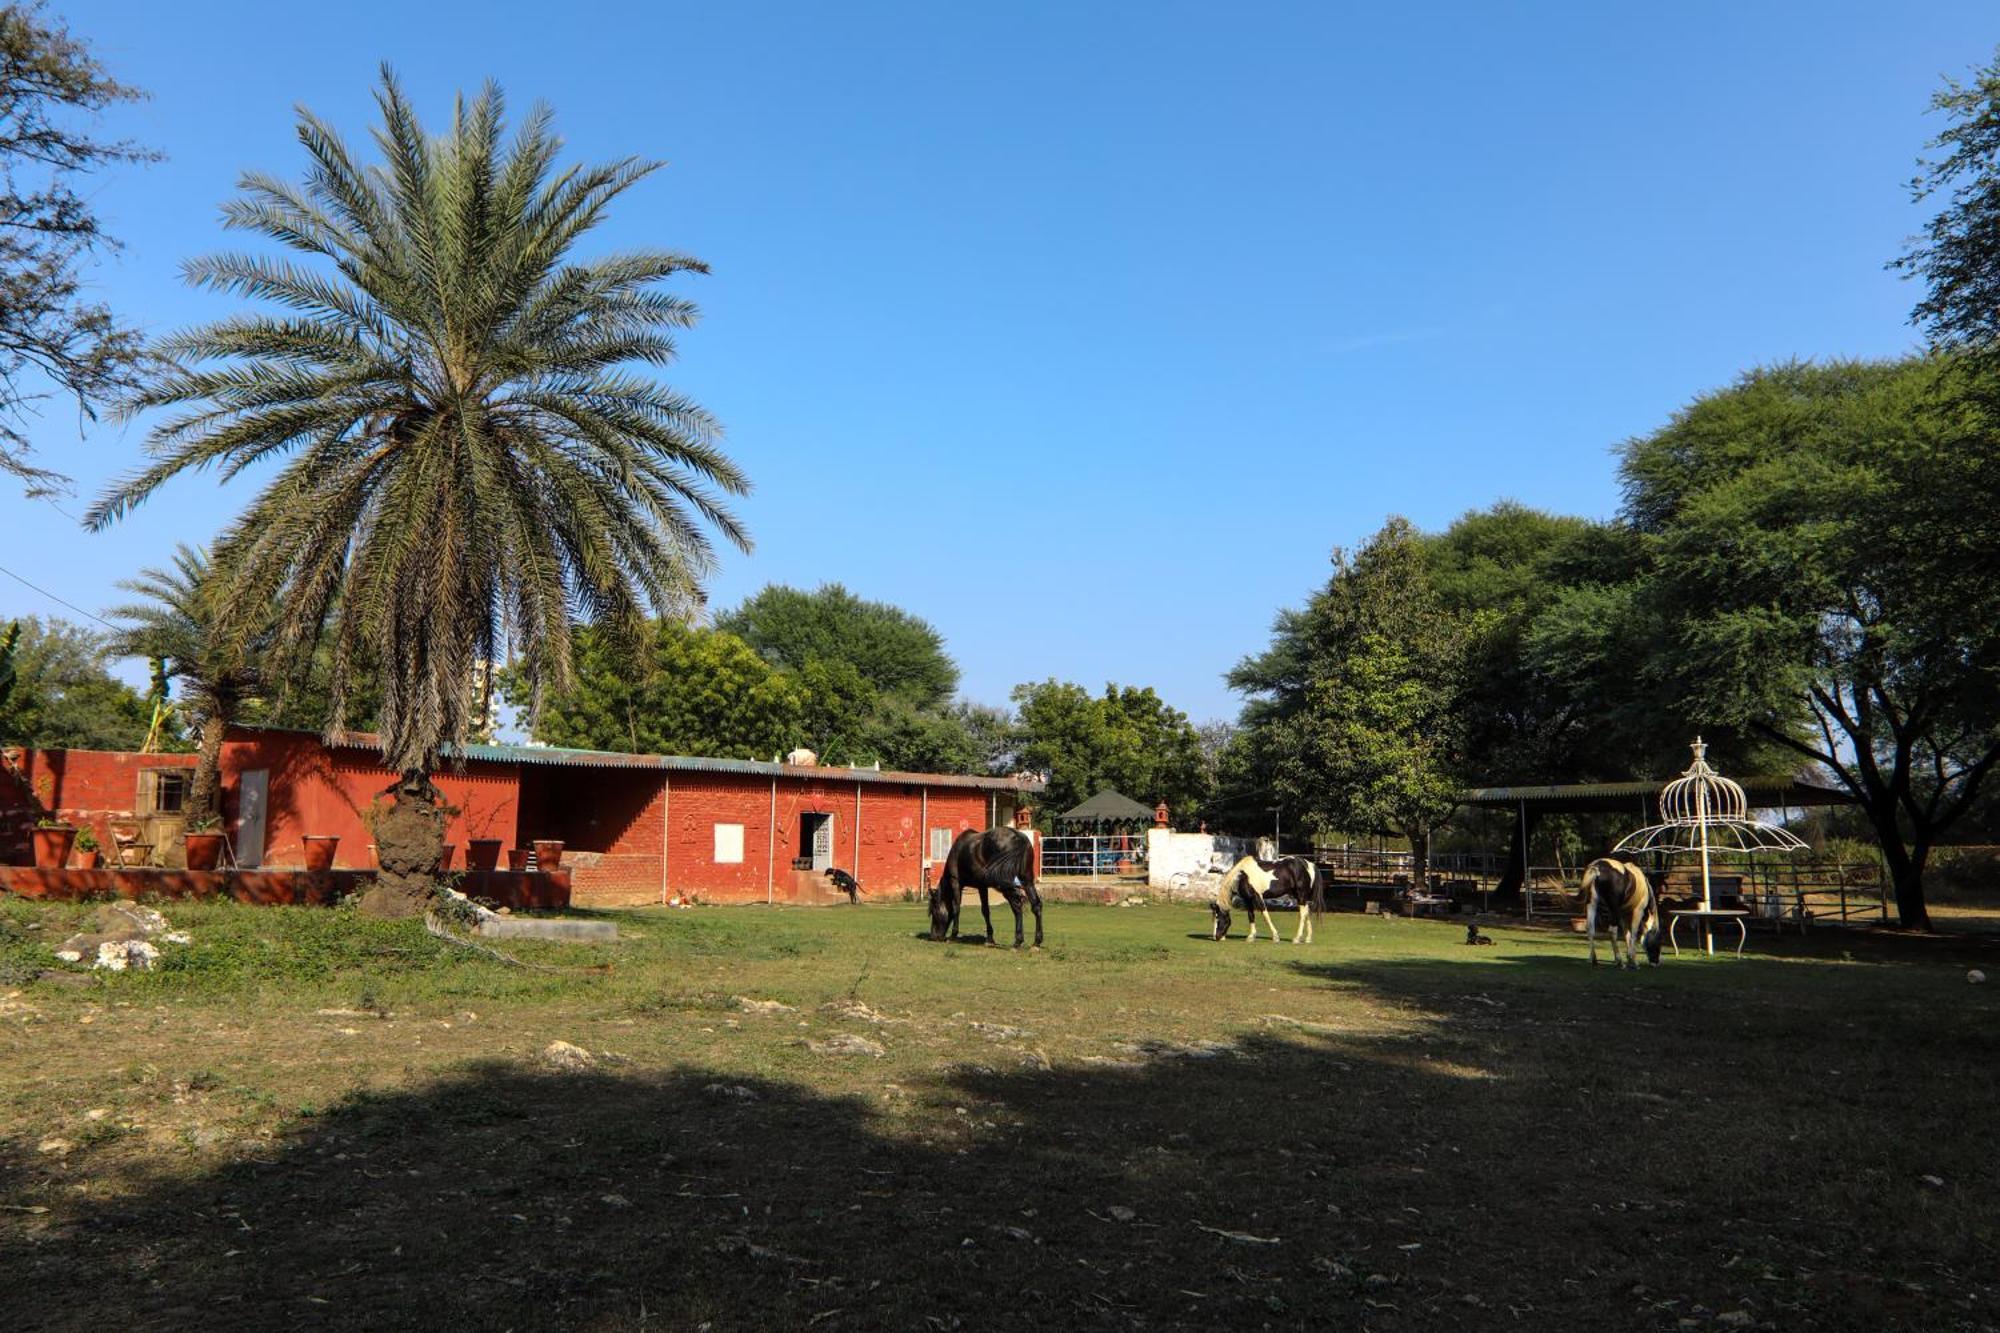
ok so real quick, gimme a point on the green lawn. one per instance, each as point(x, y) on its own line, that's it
point(311, 1120)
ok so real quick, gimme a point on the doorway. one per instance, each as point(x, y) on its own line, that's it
point(816, 839)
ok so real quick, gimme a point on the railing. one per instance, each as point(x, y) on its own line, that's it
point(1095, 856)
point(1783, 889)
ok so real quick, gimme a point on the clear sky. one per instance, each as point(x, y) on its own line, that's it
point(1086, 331)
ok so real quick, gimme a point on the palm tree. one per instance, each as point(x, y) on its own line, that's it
point(467, 463)
point(179, 624)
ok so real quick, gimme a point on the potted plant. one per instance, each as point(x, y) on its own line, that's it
point(482, 854)
point(52, 843)
point(320, 848)
point(517, 858)
point(548, 853)
point(204, 843)
point(88, 852)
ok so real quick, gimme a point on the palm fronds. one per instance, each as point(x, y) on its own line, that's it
point(465, 465)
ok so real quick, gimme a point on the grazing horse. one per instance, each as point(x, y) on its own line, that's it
point(1251, 881)
point(1618, 892)
point(1002, 859)
point(846, 883)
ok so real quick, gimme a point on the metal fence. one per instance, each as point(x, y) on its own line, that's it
point(1095, 856)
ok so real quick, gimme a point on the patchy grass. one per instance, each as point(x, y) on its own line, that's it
point(310, 1119)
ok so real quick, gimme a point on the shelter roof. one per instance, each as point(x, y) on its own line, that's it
point(1108, 804)
point(1768, 793)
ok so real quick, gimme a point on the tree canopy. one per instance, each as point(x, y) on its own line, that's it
point(900, 655)
point(688, 691)
point(62, 696)
point(53, 336)
point(1127, 738)
point(1815, 534)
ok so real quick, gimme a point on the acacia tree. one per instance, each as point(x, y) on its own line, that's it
point(1819, 539)
point(895, 652)
point(466, 458)
point(1378, 737)
point(179, 624)
point(52, 336)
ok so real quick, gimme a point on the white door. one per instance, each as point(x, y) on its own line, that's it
point(253, 791)
point(822, 842)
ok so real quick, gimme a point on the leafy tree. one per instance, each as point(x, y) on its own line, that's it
point(52, 336)
point(839, 709)
point(10, 639)
point(693, 691)
point(1817, 535)
point(1958, 255)
point(63, 698)
point(179, 623)
point(470, 461)
point(897, 653)
point(1127, 739)
point(1379, 740)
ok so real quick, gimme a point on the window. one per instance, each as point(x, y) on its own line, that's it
point(940, 843)
point(728, 844)
point(163, 791)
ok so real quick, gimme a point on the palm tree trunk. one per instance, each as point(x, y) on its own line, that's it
point(409, 843)
point(205, 790)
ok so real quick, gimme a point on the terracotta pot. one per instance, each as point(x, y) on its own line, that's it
point(52, 847)
point(446, 856)
point(204, 851)
point(548, 853)
point(482, 854)
point(89, 860)
point(319, 850)
point(517, 858)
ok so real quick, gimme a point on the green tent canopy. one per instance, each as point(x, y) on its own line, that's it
point(1107, 807)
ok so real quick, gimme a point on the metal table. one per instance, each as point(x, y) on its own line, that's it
point(1705, 921)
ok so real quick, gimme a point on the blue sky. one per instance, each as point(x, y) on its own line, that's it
point(1086, 331)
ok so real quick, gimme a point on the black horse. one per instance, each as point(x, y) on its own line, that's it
point(1002, 859)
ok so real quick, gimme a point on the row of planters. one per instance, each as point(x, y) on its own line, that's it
point(54, 841)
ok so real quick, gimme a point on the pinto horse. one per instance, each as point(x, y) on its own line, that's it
point(1619, 892)
point(1000, 859)
point(1251, 881)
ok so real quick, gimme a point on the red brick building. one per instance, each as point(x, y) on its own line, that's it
point(635, 827)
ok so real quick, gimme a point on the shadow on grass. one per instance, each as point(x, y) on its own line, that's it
point(1523, 1152)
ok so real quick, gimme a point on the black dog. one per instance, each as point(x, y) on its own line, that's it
point(846, 883)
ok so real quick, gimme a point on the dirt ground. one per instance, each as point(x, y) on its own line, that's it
point(813, 1119)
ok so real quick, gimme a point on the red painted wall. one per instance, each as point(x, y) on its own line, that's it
point(615, 823)
point(92, 789)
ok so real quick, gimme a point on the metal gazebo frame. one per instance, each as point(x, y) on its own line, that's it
point(1702, 811)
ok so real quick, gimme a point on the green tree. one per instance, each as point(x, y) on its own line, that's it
point(839, 710)
point(1380, 736)
point(1958, 255)
point(10, 639)
point(1128, 739)
point(1819, 536)
point(178, 623)
point(63, 697)
point(52, 335)
point(693, 692)
point(897, 653)
point(463, 457)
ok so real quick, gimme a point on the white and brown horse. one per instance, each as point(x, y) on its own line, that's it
point(1619, 892)
point(1250, 881)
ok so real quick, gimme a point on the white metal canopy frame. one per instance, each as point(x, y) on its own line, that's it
point(1702, 811)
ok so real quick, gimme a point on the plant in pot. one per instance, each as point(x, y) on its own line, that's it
point(482, 854)
point(204, 843)
point(89, 853)
point(52, 840)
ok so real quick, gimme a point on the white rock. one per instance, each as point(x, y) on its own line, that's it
point(563, 1055)
point(847, 1044)
point(1976, 977)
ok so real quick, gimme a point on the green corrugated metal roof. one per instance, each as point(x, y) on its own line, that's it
point(560, 756)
